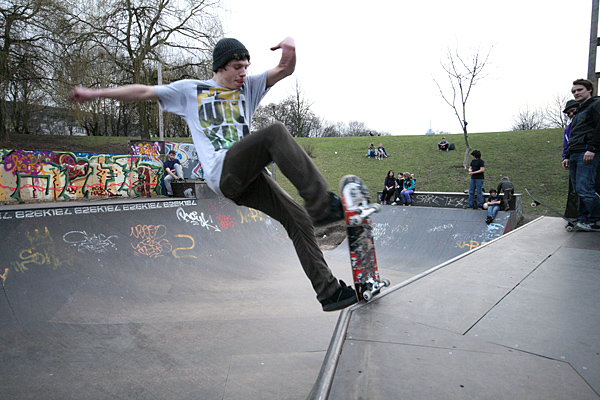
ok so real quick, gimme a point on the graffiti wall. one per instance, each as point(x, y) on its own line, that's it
point(27, 176)
point(55, 176)
point(154, 153)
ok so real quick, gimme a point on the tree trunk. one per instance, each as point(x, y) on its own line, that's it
point(468, 150)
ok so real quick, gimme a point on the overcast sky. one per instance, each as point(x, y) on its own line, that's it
point(376, 61)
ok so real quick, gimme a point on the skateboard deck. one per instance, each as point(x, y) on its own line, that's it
point(357, 211)
point(571, 221)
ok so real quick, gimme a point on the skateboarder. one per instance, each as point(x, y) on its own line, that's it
point(218, 112)
point(582, 158)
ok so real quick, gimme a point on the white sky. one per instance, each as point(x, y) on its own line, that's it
point(376, 64)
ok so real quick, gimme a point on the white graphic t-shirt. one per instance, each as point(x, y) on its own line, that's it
point(218, 117)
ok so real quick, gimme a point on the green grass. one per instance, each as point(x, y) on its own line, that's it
point(531, 159)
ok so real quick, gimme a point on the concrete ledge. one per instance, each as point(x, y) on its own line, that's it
point(450, 199)
point(459, 200)
point(196, 189)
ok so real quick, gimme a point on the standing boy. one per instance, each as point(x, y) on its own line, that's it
point(218, 112)
point(582, 158)
point(477, 178)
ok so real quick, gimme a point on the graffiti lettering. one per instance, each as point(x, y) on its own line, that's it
point(469, 245)
point(250, 215)
point(41, 252)
point(152, 243)
point(226, 221)
point(51, 176)
point(180, 249)
point(441, 228)
point(440, 200)
point(93, 244)
point(195, 219)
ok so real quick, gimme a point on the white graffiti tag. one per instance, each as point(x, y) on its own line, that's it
point(195, 219)
point(92, 243)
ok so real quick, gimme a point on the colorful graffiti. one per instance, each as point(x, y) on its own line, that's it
point(56, 176)
point(188, 158)
point(155, 152)
point(41, 251)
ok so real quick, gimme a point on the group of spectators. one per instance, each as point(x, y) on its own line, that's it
point(401, 188)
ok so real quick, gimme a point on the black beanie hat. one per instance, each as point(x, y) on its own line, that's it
point(570, 104)
point(224, 51)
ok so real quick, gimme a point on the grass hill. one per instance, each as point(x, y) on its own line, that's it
point(530, 158)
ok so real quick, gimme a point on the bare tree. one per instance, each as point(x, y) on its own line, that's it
point(293, 111)
point(462, 73)
point(134, 34)
point(527, 120)
point(25, 40)
point(357, 128)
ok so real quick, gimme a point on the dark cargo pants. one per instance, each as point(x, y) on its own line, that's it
point(245, 181)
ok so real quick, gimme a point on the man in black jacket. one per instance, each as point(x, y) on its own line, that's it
point(582, 157)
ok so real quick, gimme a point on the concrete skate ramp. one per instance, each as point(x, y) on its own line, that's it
point(155, 299)
point(182, 299)
point(413, 239)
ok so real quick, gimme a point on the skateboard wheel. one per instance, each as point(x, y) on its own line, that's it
point(367, 295)
point(533, 205)
point(385, 282)
point(569, 228)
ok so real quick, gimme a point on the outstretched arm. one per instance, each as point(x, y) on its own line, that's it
point(122, 93)
point(286, 65)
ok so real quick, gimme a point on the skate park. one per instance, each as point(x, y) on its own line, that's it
point(199, 298)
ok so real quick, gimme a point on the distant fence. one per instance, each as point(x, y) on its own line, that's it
point(58, 176)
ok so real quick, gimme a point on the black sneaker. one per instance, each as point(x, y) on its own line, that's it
point(343, 297)
point(336, 211)
point(489, 220)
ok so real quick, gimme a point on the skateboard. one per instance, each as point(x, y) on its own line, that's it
point(357, 211)
point(571, 222)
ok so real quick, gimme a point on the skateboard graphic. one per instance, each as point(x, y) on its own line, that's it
point(357, 211)
point(571, 221)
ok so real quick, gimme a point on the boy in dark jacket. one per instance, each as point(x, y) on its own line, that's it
point(582, 158)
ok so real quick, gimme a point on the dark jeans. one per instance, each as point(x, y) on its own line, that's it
point(244, 181)
point(476, 187)
point(583, 178)
point(386, 195)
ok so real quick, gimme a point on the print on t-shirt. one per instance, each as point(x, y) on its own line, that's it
point(222, 117)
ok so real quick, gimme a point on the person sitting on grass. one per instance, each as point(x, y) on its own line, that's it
point(443, 145)
point(371, 151)
point(381, 153)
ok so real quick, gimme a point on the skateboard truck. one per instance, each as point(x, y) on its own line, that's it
point(364, 213)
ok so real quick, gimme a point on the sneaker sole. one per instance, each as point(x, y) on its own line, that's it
point(341, 304)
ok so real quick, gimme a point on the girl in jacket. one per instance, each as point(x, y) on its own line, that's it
point(409, 188)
